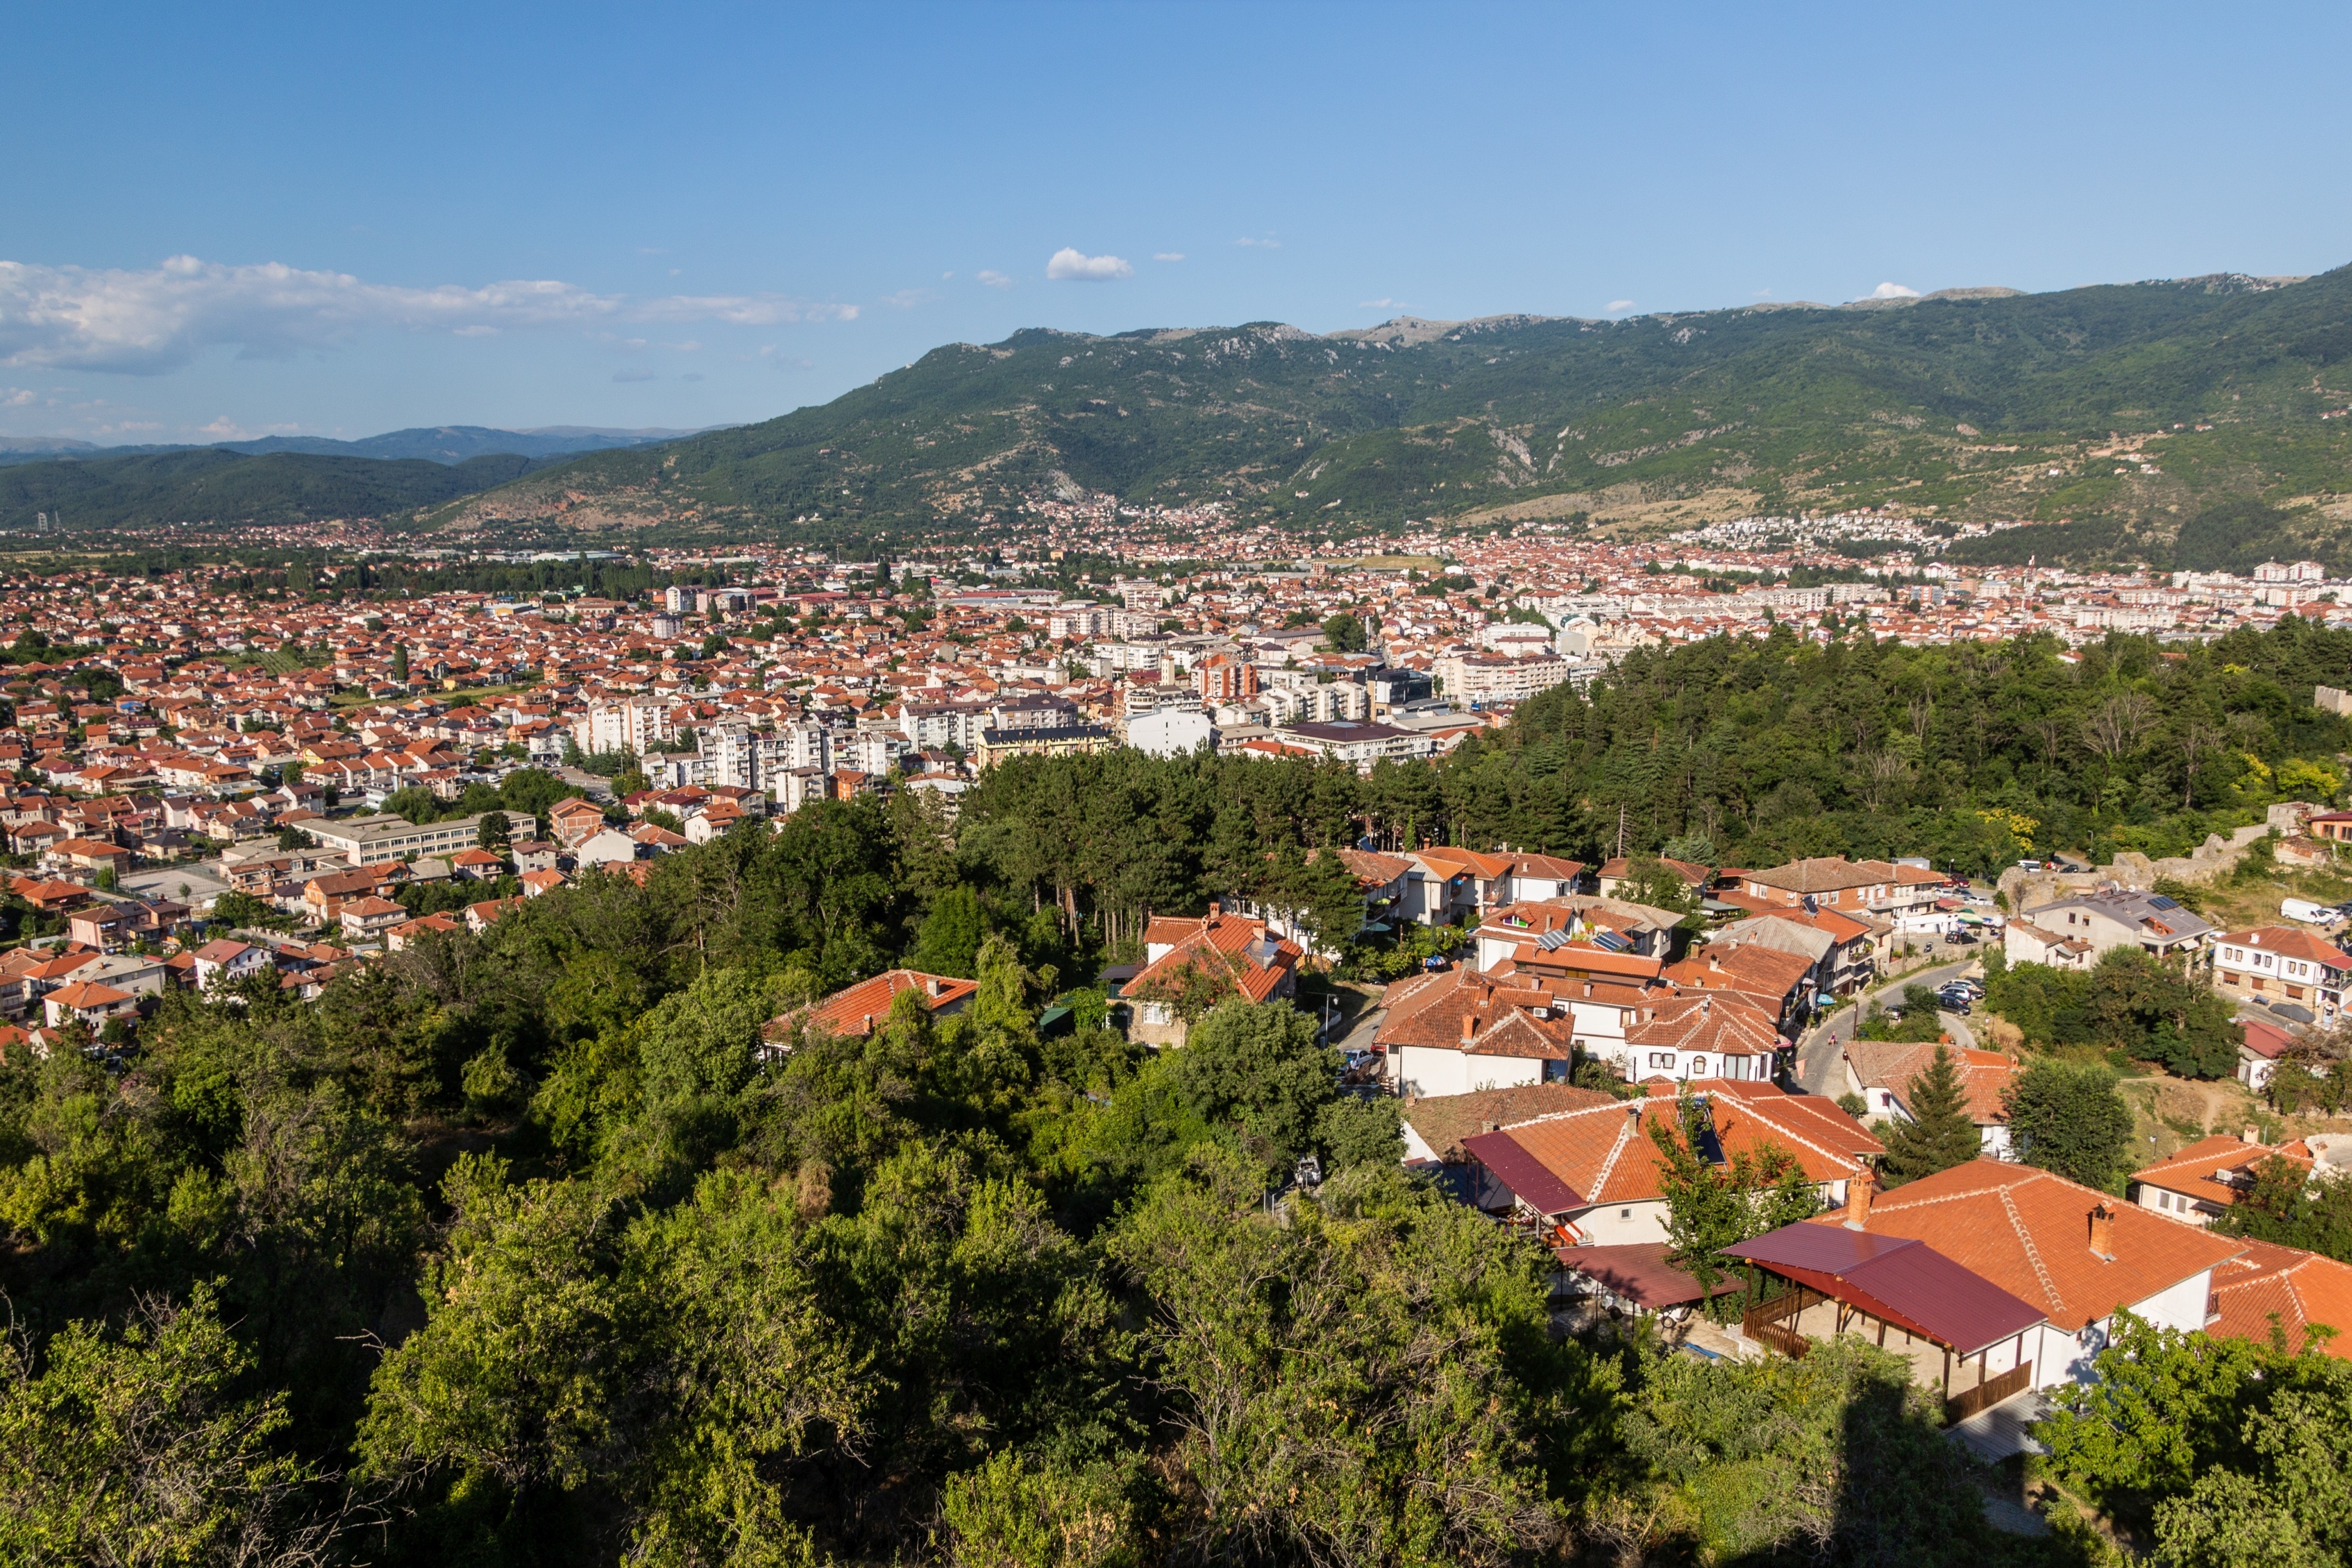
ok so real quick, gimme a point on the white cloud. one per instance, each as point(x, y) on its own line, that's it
point(1167, 256)
point(1382, 304)
point(906, 299)
point(1260, 244)
point(995, 279)
point(16, 397)
point(1617, 305)
point(1068, 263)
point(149, 322)
point(1893, 292)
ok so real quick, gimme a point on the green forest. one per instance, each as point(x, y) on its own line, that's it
point(544, 1246)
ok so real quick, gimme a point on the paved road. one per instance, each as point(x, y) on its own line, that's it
point(1817, 1060)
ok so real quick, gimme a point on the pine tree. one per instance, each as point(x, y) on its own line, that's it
point(400, 662)
point(1940, 1134)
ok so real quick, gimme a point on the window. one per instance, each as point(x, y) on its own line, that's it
point(1662, 1059)
point(1624, 1214)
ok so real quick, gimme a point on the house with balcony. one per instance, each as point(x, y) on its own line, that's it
point(2286, 969)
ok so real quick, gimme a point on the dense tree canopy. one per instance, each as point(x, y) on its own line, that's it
point(567, 1242)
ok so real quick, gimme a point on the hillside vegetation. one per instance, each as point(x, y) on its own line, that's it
point(1978, 403)
point(214, 484)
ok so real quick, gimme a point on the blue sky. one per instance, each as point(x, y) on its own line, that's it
point(255, 219)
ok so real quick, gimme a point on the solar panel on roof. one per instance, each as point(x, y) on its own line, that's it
point(1552, 939)
point(1612, 941)
point(2158, 900)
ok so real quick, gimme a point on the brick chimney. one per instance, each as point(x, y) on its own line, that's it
point(1469, 1027)
point(1216, 911)
point(1857, 1198)
point(2103, 1233)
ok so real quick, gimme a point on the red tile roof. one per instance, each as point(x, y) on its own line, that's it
point(1236, 946)
point(2301, 1289)
point(2028, 1231)
point(2198, 1170)
point(855, 1010)
point(1896, 1065)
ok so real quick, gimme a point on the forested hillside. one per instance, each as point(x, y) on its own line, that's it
point(1982, 403)
point(531, 1248)
point(216, 484)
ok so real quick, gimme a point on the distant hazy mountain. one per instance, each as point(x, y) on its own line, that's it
point(1975, 404)
point(210, 485)
point(456, 443)
point(440, 443)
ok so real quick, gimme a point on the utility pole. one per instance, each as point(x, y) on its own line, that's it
point(1620, 830)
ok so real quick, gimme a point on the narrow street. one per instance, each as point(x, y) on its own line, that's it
point(1817, 1058)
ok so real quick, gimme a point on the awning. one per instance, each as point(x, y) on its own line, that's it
point(1903, 1282)
point(1639, 1272)
point(1524, 1175)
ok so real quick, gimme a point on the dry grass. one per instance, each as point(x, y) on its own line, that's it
point(2234, 907)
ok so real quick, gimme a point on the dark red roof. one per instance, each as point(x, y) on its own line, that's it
point(1524, 1174)
point(1639, 1272)
point(1905, 1281)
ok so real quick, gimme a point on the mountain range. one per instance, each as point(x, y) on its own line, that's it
point(2191, 421)
point(436, 444)
point(2179, 419)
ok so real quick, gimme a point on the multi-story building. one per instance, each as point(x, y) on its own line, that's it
point(2121, 917)
point(1497, 677)
point(2283, 969)
point(635, 725)
point(1224, 678)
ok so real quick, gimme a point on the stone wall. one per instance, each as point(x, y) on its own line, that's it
point(2033, 889)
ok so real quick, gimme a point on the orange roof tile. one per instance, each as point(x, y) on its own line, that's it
point(2300, 1290)
point(2028, 1231)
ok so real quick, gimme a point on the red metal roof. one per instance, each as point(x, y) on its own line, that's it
point(1639, 1272)
point(1524, 1174)
point(1907, 1282)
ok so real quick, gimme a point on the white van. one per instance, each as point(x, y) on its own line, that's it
point(2310, 913)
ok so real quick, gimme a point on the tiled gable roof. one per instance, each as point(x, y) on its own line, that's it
point(1894, 1064)
point(2297, 1290)
point(2028, 1231)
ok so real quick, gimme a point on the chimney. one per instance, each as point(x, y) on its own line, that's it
point(1216, 911)
point(2253, 1135)
point(932, 985)
point(1857, 1198)
point(2103, 1233)
point(869, 1023)
point(1469, 1027)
